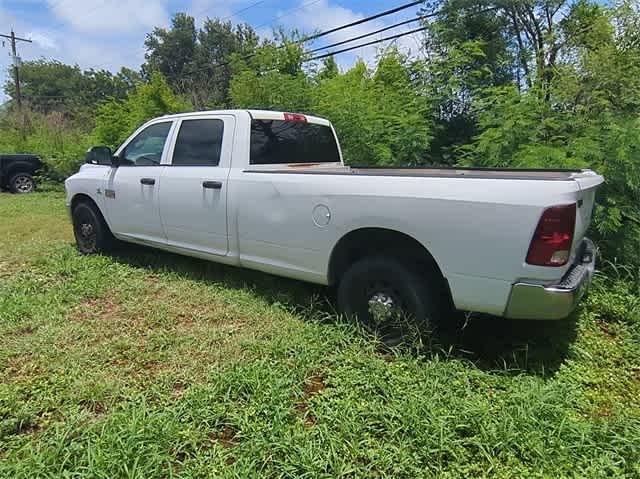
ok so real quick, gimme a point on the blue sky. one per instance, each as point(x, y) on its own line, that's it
point(110, 33)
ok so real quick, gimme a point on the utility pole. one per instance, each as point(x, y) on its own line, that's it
point(16, 61)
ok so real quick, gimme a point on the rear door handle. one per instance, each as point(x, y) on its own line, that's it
point(148, 181)
point(212, 185)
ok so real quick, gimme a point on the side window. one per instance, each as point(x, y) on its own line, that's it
point(199, 143)
point(146, 148)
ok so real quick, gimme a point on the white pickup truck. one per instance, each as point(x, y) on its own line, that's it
point(269, 191)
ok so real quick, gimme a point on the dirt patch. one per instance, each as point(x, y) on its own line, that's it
point(312, 386)
point(154, 367)
point(96, 408)
point(152, 279)
point(20, 367)
point(227, 438)
point(28, 428)
point(178, 389)
point(607, 330)
point(25, 331)
point(94, 308)
point(9, 269)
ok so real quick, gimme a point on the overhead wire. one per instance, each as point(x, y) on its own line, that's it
point(361, 21)
point(370, 34)
point(359, 37)
point(233, 14)
point(343, 27)
point(392, 37)
point(335, 29)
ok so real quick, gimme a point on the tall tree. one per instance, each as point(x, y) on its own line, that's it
point(218, 42)
point(198, 62)
point(272, 77)
point(172, 51)
point(49, 85)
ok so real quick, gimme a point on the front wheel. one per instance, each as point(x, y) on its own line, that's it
point(388, 298)
point(22, 183)
point(90, 230)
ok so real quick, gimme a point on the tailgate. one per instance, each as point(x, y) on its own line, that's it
point(588, 182)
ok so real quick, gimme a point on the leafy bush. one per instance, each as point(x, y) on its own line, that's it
point(55, 138)
point(378, 116)
point(116, 120)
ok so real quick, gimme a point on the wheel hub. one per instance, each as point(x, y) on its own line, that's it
point(382, 306)
point(23, 184)
point(86, 230)
point(86, 235)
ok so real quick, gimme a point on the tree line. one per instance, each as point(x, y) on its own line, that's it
point(531, 83)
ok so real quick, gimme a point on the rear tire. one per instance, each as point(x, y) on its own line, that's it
point(22, 183)
point(388, 298)
point(90, 230)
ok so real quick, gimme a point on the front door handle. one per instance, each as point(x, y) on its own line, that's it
point(212, 185)
point(148, 181)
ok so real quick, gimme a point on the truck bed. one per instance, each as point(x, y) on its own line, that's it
point(454, 172)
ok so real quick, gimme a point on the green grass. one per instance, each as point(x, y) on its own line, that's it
point(149, 365)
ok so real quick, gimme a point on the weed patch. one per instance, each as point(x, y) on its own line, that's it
point(147, 364)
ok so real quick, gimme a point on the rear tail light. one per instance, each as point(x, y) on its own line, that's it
point(551, 243)
point(295, 117)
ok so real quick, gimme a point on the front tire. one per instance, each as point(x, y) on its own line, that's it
point(90, 230)
point(22, 183)
point(388, 298)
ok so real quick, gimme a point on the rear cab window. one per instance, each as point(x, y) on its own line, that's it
point(293, 140)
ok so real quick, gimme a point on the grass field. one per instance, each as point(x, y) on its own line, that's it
point(149, 365)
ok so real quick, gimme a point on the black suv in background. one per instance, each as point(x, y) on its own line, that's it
point(17, 172)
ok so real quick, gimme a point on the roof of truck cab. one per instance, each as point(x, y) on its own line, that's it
point(255, 114)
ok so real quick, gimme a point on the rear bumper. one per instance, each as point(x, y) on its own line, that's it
point(535, 301)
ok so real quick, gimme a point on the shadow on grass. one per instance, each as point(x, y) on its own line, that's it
point(509, 346)
point(491, 343)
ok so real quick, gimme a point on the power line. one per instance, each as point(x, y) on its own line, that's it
point(392, 37)
point(337, 29)
point(363, 20)
point(233, 14)
point(360, 37)
point(319, 57)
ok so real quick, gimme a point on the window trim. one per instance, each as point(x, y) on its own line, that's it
point(177, 134)
point(228, 136)
point(167, 143)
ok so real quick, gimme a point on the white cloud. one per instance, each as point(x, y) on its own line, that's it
point(122, 44)
point(111, 16)
point(42, 40)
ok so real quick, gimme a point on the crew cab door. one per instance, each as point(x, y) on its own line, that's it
point(193, 198)
point(131, 190)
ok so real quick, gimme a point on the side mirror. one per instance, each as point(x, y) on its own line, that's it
point(99, 155)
